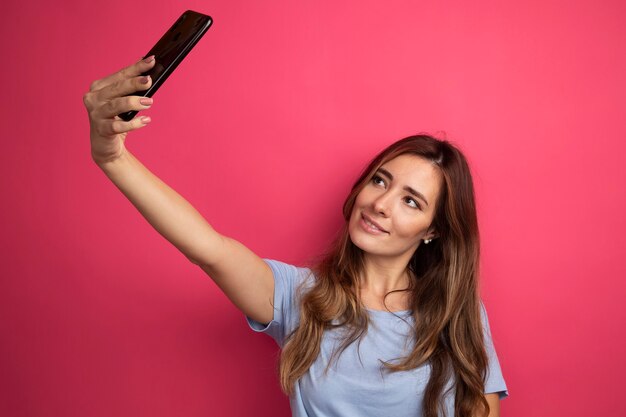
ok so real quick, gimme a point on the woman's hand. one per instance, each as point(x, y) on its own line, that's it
point(106, 99)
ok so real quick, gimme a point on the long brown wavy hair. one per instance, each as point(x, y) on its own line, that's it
point(443, 291)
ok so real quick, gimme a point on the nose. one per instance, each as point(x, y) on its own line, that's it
point(382, 205)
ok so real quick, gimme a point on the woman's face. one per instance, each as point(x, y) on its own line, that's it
point(393, 212)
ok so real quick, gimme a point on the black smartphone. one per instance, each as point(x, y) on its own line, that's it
point(171, 49)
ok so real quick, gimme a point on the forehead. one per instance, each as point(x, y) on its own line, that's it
point(417, 173)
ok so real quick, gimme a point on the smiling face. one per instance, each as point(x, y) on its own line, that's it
point(393, 212)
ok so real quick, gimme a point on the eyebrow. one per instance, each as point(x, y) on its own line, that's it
point(406, 187)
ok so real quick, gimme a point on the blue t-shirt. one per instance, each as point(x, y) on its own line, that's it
point(357, 384)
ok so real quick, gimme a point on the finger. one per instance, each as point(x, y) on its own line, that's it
point(133, 70)
point(119, 105)
point(112, 127)
point(124, 88)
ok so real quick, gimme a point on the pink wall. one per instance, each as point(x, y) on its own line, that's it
point(263, 129)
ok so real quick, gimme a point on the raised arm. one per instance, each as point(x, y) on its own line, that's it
point(245, 279)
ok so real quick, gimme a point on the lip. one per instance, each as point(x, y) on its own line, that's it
point(365, 219)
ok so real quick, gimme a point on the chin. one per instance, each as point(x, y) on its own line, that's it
point(354, 238)
point(362, 242)
point(377, 248)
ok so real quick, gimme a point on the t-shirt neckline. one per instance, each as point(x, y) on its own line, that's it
point(384, 314)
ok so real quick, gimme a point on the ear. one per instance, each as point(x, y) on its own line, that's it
point(431, 234)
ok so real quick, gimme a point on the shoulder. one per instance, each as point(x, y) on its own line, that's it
point(483, 312)
point(290, 277)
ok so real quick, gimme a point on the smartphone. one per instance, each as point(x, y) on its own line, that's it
point(171, 49)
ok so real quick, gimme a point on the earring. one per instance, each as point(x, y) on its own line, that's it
point(427, 241)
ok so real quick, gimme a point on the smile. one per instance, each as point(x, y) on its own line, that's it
point(371, 226)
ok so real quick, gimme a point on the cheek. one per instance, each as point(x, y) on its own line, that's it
point(361, 197)
point(411, 228)
point(359, 203)
point(355, 207)
point(354, 219)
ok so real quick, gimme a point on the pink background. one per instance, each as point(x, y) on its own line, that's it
point(263, 129)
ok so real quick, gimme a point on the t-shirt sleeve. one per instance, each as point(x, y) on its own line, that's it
point(494, 382)
point(288, 280)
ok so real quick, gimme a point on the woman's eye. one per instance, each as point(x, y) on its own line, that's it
point(377, 180)
point(411, 202)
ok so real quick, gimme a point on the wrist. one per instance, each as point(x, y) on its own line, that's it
point(112, 162)
point(101, 160)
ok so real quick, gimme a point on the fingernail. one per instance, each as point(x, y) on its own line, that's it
point(149, 59)
point(145, 120)
point(146, 101)
point(145, 79)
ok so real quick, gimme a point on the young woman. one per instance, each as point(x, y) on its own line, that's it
point(390, 322)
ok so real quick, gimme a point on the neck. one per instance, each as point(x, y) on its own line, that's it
point(382, 275)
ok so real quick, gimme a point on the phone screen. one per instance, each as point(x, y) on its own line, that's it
point(171, 49)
